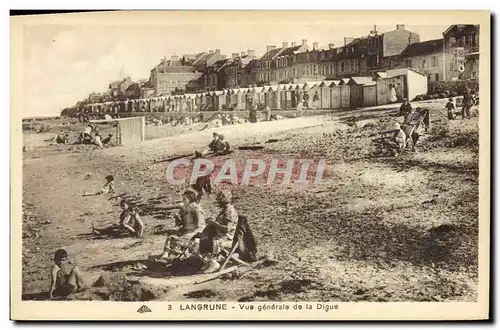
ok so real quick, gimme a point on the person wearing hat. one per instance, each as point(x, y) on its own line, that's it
point(220, 231)
point(405, 108)
point(212, 144)
point(222, 146)
point(191, 221)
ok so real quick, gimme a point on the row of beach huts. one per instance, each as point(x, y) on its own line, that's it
point(345, 93)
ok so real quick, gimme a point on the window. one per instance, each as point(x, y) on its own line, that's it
point(286, 74)
point(327, 70)
point(315, 69)
point(423, 64)
point(434, 61)
point(342, 66)
point(294, 71)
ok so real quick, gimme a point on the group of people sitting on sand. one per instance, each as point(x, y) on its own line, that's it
point(90, 135)
point(202, 237)
point(206, 239)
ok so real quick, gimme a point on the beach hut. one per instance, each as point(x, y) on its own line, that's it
point(283, 96)
point(273, 98)
point(312, 89)
point(234, 98)
point(345, 93)
point(356, 84)
point(370, 94)
point(240, 94)
point(292, 96)
point(407, 83)
point(299, 93)
point(329, 94)
point(219, 99)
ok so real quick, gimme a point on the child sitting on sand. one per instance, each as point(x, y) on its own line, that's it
point(130, 220)
point(109, 186)
point(66, 277)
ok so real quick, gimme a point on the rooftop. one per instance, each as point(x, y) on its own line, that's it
point(423, 48)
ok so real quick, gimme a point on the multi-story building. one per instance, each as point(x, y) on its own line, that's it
point(237, 71)
point(461, 52)
point(204, 60)
point(118, 88)
point(278, 64)
point(427, 57)
point(214, 77)
point(365, 55)
point(170, 76)
point(357, 57)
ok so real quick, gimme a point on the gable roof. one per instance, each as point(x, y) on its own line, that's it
point(402, 72)
point(329, 83)
point(423, 48)
point(289, 51)
point(271, 54)
point(361, 80)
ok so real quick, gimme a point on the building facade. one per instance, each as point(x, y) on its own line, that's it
point(461, 52)
point(171, 76)
point(237, 72)
point(427, 57)
point(118, 88)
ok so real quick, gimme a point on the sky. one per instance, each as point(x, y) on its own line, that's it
point(63, 63)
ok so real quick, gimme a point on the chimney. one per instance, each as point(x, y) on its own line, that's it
point(269, 48)
point(400, 26)
point(285, 44)
point(217, 51)
point(331, 46)
point(304, 42)
point(235, 55)
point(224, 57)
point(251, 52)
point(348, 40)
point(294, 44)
point(374, 32)
point(243, 54)
point(315, 45)
point(174, 58)
point(211, 51)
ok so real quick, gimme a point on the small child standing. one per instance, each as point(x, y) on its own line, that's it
point(450, 106)
point(66, 278)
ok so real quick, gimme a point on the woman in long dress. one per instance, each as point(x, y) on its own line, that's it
point(394, 97)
